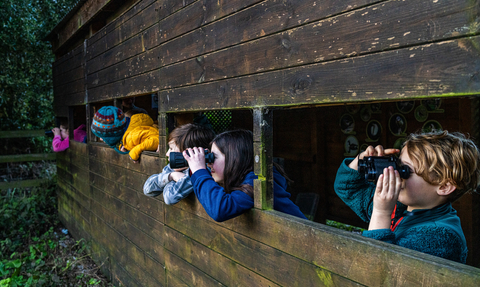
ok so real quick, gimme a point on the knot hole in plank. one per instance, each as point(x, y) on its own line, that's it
point(301, 84)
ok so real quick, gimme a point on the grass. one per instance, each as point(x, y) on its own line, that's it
point(35, 249)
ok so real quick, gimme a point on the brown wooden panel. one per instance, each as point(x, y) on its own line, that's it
point(148, 164)
point(68, 77)
point(419, 71)
point(181, 273)
point(120, 277)
point(85, 13)
point(107, 51)
point(64, 91)
point(243, 251)
point(69, 61)
point(342, 36)
point(256, 21)
point(127, 254)
point(353, 256)
point(152, 246)
point(124, 19)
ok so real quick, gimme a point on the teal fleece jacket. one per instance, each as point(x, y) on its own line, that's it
point(435, 231)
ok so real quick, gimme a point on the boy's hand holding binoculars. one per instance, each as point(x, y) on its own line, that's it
point(195, 158)
point(387, 188)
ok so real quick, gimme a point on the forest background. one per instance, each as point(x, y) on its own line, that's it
point(35, 250)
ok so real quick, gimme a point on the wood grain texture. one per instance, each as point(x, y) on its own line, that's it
point(419, 71)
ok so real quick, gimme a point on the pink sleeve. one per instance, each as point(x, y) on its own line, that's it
point(59, 145)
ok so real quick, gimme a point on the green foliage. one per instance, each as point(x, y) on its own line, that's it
point(32, 253)
point(26, 89)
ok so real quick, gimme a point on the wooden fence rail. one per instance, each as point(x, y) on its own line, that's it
point(24, 158)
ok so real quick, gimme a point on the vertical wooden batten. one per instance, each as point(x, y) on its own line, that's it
point(263, 157)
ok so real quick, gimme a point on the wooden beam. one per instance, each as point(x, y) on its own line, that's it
point(22, 183)
point(27, 157)
point(263, 153)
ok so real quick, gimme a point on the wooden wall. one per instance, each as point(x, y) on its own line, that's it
point(140, 241)
point(259, 56)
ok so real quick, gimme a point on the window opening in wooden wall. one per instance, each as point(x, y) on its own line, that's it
point(220, 120)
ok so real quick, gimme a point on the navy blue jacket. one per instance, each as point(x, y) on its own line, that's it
point(222, 206)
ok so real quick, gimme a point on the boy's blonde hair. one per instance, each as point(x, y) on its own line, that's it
point(441, 157)
point(191, 135)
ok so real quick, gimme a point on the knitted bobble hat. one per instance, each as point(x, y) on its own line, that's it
point(109, 124)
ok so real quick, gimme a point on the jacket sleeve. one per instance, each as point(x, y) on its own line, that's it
point(434, 240)
point(156, 183)
point(175, 191)
point(354, 190)
point(148, 143)
point(60, 145)
point(219, 205)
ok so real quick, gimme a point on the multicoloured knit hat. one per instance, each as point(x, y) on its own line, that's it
point(109, 124)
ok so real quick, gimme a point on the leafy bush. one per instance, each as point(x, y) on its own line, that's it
point(26, 89)
point(35, 250)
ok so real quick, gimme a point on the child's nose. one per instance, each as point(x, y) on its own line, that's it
point(168, 153)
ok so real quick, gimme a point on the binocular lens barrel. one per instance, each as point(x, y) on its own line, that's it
point(372, 167)
point(49, 133)
point(178, 161)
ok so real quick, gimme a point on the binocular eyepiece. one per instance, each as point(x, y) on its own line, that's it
point(49, 133)
point(372, 167)
point(178, 161)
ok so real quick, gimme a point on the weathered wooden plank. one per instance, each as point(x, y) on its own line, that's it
point(148, 164)
point(241, 250)
point(342, 36)
point(147, 224)
point(69, 61)
point(27, 157)
point(181, 273)
point(275, 15)
point(64, 92)
point(420, 71)
point(120, 277)
point(133, 41)
point(263, 157)
point(153, 247)
point(83, 15)
point(21, 134)
point(61, 81)
point(353, 256)
point(22, 183)
point(123, 31)
point(124, 18)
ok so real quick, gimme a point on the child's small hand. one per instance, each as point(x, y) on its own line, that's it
point(56, 131)
point(371, 151)
point(386, 195)
point(134, 161)
point(176, 176)
point(158, 149)
point(195, 158)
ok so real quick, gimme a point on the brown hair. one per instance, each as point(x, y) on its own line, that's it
point(441, 157)
point(237, 146)
point(191, 135)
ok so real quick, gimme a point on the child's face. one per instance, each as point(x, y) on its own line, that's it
point(416, 193)
point(218, 166)
point(63, 132)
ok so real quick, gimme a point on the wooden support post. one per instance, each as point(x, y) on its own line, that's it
point(263, 153)
point(71, 125)
point(90, 113)
point(118, 103)
point(162, 127)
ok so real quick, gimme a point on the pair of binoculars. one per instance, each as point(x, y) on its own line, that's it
point(178, 161)
point(372, 167)
point(49, 133)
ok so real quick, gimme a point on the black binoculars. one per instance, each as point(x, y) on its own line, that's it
point(178, 161)
point(372, 167)
point(49, 133)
